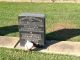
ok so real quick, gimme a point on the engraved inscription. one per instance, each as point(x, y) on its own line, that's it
point(32, 24)
point(33, 29)
point(31, 37)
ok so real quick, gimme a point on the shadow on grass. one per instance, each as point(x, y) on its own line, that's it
point(61, 35)
point(8, 29)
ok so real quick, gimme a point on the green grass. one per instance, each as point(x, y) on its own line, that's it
point(62, 23)
point(12, 54)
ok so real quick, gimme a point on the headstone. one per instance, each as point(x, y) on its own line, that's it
point(32, 28)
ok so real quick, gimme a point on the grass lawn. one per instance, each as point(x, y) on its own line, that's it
point(12, 54)
point(62, 23)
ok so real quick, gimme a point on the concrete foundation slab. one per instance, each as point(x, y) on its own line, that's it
point(8, 42)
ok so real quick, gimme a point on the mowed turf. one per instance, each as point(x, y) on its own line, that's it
point(62, 23)
point(12, 54)
point(62, 20)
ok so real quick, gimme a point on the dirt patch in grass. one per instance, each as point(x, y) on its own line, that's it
point(59, 26)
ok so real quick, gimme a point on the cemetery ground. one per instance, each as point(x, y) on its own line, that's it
point(62, 24)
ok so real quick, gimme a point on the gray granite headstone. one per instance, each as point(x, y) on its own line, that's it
point(32, 28)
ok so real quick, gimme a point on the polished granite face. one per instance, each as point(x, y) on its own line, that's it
point(32, 28)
